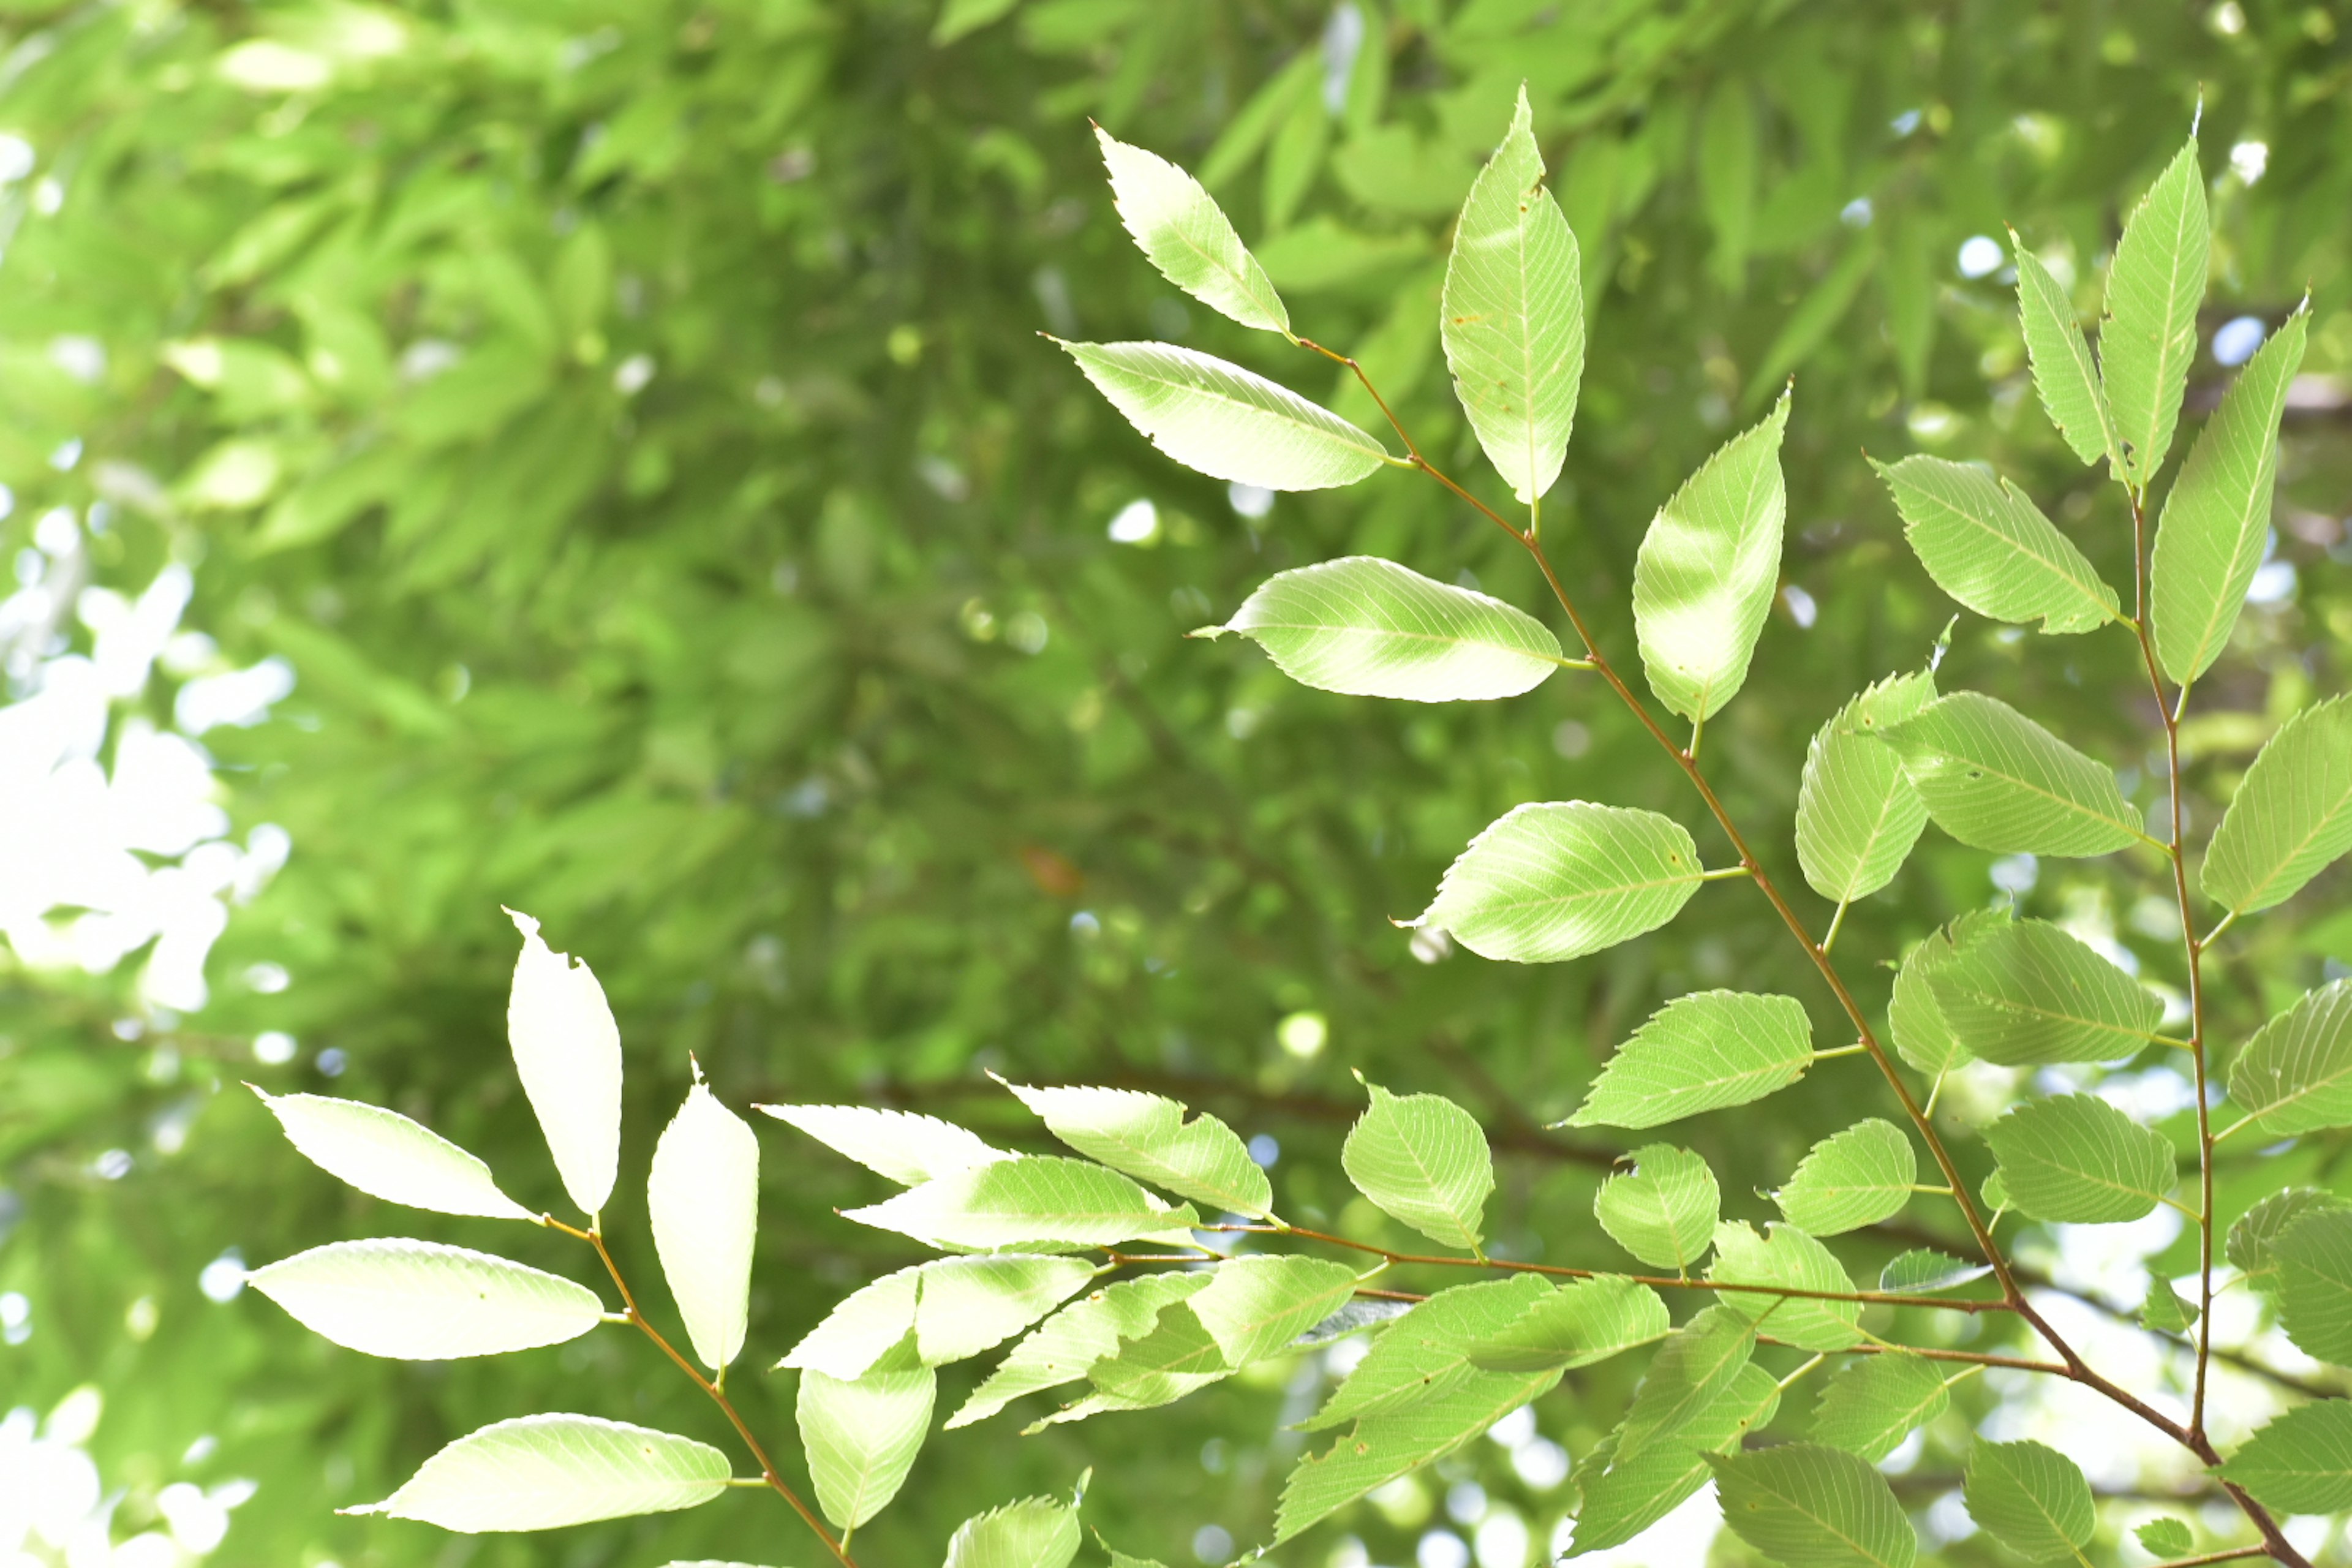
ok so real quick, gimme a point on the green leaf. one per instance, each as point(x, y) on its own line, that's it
point(2149, 336)
point(1426, 1353)
point(861, 1437)
point(2217, 519)
point(1727, 177)
point(1811, 1507)
point(1623, 1498)
point(1559, 879)
point(2314, 1282)
point(1188, 236)
point(1996, 780)
point(1063, 1347)
point(2250, 1245)
point(1787, 1257)
point(2165, 1537)
point(1513, 314)
point(1146, 1136)
point(2076, 1158)
point(1368, 628)
point(1708, 569)
point(1036, 1203)
point(2291, 818)
point(2063, 373)
point(1423, 1160)
point(567, 1051)
point(2026, 993)
point(1923, 1270)
point(1035, 1532)
point(1873, 1403)
point(387, 1156)
point(1700, 1052)
point(1855, 1178)
point(907, 1148)
point(1989, 546)
point(2165, 1311)
point(1228, 423)
point(1922, 1035)
point(960, 17)
point(418, 1300)
point(2295, 1075)
point(2031, 1499)
point(1583, 1321)
point(540, 1472)
point(957, 1307)
point(1857, 815)
point(702, 1197)
point(2301, 1462)
point(1688, 1375)
point(1664, 1210)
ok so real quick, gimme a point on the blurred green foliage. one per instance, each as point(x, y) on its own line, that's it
point(629, 422)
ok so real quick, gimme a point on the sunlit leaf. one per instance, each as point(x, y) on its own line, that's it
point(1423, 1160)
point(1040, 1203)
point(1226, 422)
point(2291, 818)
point(1623, 1498)
point(861, 1437)
point(1148, 1137)
point(703, 1200)
point(1581, 1322)
point(1663, 1209)
point(1426, 1353)
point(2249, 1245)
point(2301, 1462)
point(1557, 880)
point(1810, 1507)
point(1062, 1348)
point(1996, 780)
point(1924, 1271)
point(1188, 236)
point(2026, 993)
point(2031, 1497)
point(1989, 546)
point(2313, 1259)
point(2165, 1538)
point(387, 1156)
point(2063, 371)
point(907, 1148)
point(1786, 1256)
point(2075, 1158)
point(567, 1051)
point(1855, 1178)
point(1035, 1532)
point(2295, 1074)
point(2149, 335)
point(1874, 1403)
point(1700, 1052)
point(539, 1472)
point(418, 1300)
point(1857, 813)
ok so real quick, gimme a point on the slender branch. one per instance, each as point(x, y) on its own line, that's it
point(1972, 1358)
point(2236, 1555)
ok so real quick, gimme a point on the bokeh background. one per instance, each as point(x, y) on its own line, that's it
point(598, 457)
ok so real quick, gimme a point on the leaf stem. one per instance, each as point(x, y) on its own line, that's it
point(1724, 873)
point(1837, 923)
point(1795, 1376)
point(1855, 1050)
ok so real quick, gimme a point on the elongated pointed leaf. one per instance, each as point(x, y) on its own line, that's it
point(1426, 1353)
point(2250, 1245)
point(1188, 236)
point(567, 1051)
point(1063, 1347)
point(2078, 1159)
point(1989, 546)
point(907, 1148)
point(1857, 813)
point(1581, 1322)
point(1623, 1498)
point(1786, 1256)
point(2217, 518)
point(387, 1156)
point(1423, 1160)
point(1035, 1203)
point(2301, 1462)
point(1923, 1269)
point(1513, 314)
point(1226, 422)
point(1871, 1404)
point(861, 1437)
point(1146, 1136)
point(540, 1472)
point(2063, 373)
point(958, 1307)
point(2026, 993)
point(2149, 336)
point(2314, 1257)
point(1810, 1507)
point(2292, 818)
point(2031, 1499)
point(418, 1300)
point(1700, 1052)
point(1663, 1209)
point(1996, 780)
point(1708, 569)
point(1035, 1532)
point(1369, 627)
point(703, 1199)
point(1855, 1178)
point(2295, 1074)
point(1559, 879)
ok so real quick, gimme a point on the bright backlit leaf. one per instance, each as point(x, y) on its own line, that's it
point(1996, 780)
point(861, 1437)
point(1146, 1136)
point(2313, 1259)
point(540, 1472)
point(703, 1200)
point(1663, 1209)
point(957, 1307)
point(2165, 1538)
point(1873, 1402)
point(2295, 1074)
point(1924, 1271)
point(1061, 1349)
point(2149, 335)
point(1623, 1498)
point(907, 1148)
point(2077, 1159)
point(2027, 993)
point(1692, 1368)
point(567, 1051)
point(387, 1156)
point(1035, 1532)
point(1855, 1178)
point(1700, 1052)
point(1423, 1160)
point(1228, 423)
point(1810, 1507)
point(2031, 1497)
point(1557, 880)
point(2291, 818)
point(2301, 1462)
point(1916, 1019)
point(2063, 371)
point(1187, 235)
point(1857, 813)
point(1786, 1256)
point(418, 1300)
point(2250, 1246)
point(1427, 1351)
point(1581, 1322)
point(1040, 1203)
point(1989, 546)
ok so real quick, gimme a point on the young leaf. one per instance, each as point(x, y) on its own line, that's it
point(2063, 373)
point(1708, 569)
point(1426, 1353)
point(2291, 818)
point(1035, 1532)
point(2150, 333)
point(1369, 627)
point(1855, 1178)
point(1989, 547)
point(1664, 1210)
point(417, 1300)
point(1857, 815)
point(540, 1472)
point(1062, 1348)
point(2165, 1538)
point(2031, 1499)
point(1036, 1203)
point(1513, 314)
point(1146, 1136)
point(2026, 993)
point(861, 1437)
point(387, 1156)
point(1996, 780)
point(2217, 519)
point(1870, 1406)
point(1582, 1321)
point(2250, 1245)
point(1228, 423)
point(2301, 1462)
point(1811, 1506)
point(901, 1145)
point(567, 1051)
point(1700, 1052)
point(703, 1199)
point(1785, 1257)
point(2075, 1158)
point(1423, 1160)
point(2295, 1074)
point(1559, 879)
point(1923, 1270)
point(1623, 1498)
point(2313, 1259)
point(1187, 235)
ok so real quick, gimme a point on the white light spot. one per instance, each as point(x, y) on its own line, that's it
point(1431, 945)
point(1541, 1465)
point(2228, 19)
point(1801, 607)
point(1303, 1035)
point(224, 1277)
point(1343, 39)
point(273, 1048)
point(2236, 340)
point(1465, 1502)
point(82, 358)
point(1570, 739)
point(1265, 1151)
point(1213, 1544)
point(1252, 501)
point(1857, 212)
point(2016, 874)
point(1027, 631)
point(2274, 583)
point(1981, 255)
point(630, 376)
point(1502, 1540)
point(2249, 160)
point(1442, 1549)
point(16, 1310)
point(1085, 924)
point(239, 698)
point(331, 1062)
point(1905, 124)
point(1516, 1430)
point(112, 1165)
point(57, 534)
point(16, 159)
point(1135, 523)
point(197, 1523)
